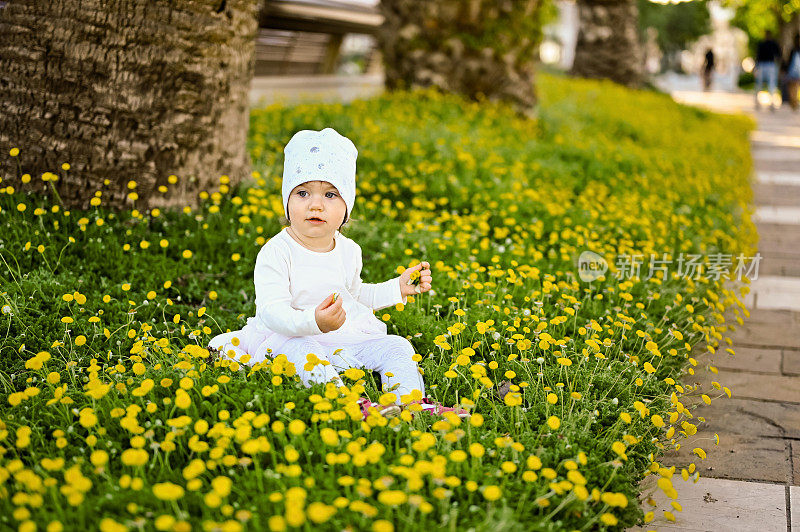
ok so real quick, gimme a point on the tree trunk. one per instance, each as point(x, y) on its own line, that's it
point(126, 91)
point(608, 44)
point(787, 31)
point(478, 48)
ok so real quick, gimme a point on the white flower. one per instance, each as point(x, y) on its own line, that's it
point(7, 309)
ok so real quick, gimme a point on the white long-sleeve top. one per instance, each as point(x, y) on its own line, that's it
point(291, 281)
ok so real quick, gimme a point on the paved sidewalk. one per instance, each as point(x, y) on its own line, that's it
point(749, 481)
point(266, 90)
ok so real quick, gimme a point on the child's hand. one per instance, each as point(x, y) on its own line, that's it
point(407, 287)
point(329, 314)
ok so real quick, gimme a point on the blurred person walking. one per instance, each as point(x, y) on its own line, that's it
point(708, 70)
point(793, 73)
point(768, 54)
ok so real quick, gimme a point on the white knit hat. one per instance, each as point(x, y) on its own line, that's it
point(320, 156)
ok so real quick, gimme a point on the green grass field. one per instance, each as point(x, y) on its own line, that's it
point(113, 415)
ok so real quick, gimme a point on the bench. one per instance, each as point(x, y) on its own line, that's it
point(304, 37)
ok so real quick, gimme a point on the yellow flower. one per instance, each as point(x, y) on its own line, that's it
point(297, 427)
point(222, 485)
point(354, 373)
point(329, 436)
point(319, 512)
point(477, 450)
point(576, 477)
point(553, 422)
point(492, 493)
point(109, 525)
point(699, 452)
point(392, 497)
point(619, 448)
point(608, 519)
point(52, 464)
point(387, 399)
point(458, 456)
point(508, 467)
point(182, 399)
point(164, 522)
point(134, 457)
point(98, 458)
point(167, 491)
point(88, 418)
point(382, 525)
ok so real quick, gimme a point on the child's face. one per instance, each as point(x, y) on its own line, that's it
point(316, 200)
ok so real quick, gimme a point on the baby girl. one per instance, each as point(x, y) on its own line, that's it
point(311, 304)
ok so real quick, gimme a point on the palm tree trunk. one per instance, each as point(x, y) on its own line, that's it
point(126, 91)
point(478, 48)
point(608, 44)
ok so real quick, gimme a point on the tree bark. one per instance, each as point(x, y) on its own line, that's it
point(478, 48)
point(131, 90)
point(608, 45)
point(786, 32)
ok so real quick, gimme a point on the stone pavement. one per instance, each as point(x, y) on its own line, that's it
point(750, 480)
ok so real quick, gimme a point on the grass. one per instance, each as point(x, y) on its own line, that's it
point(112, 410)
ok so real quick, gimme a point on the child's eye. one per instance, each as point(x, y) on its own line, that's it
point(301, 192)
point(334, 194)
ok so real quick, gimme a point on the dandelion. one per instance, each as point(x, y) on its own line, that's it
point(492, 493)
point(608, 519)
point(297, 427)
point(699, 452)
point(382, 525)
point(167, 491)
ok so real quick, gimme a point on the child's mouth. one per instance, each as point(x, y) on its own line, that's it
point(316, 221)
